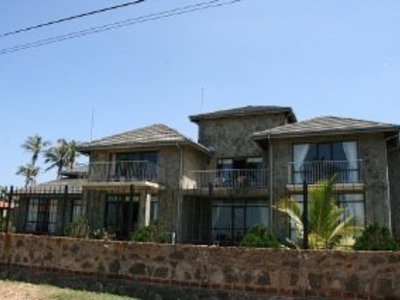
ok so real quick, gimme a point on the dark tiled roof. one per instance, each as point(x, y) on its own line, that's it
point(326, 126)
point(244, 111)
point(154, 135)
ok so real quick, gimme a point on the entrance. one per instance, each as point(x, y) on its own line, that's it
point(121, 215)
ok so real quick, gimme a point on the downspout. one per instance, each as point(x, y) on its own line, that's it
point(271, 182)
point(179, 195)
point(389, 200)
point(180, 164)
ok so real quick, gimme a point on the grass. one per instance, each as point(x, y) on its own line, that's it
point(13, 290)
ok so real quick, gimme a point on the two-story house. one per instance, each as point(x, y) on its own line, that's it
point(135, 177)
point(245, 160)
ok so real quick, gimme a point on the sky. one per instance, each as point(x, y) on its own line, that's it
point(333, 57)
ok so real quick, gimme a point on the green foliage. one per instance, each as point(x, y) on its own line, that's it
point(327, 229)
point(30, 172)
point(154, 233)
point(259, 236)
point(99, 234)
point(376, 237)
point(3, 224)
point(78, 229)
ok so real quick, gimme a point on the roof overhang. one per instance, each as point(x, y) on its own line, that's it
point(213, 116)
point(292, 135)
point(127, 146)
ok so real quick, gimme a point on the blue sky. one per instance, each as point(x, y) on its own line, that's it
point(320, 57)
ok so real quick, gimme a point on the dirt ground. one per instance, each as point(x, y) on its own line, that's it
point(12, 290)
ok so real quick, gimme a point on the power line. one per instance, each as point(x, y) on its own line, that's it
point(94, 12)
point(116, 25)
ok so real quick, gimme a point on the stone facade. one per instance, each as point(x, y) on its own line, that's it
point(361, 275)
point(374, 177)
point(171, 163)
point(230, 137)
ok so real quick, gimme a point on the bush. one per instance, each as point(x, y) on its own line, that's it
point(155, 233)
point(376, 237)
point(78, 229)
point(259, 236)
point(99, 234)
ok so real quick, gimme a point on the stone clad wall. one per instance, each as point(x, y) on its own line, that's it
point(290, 272)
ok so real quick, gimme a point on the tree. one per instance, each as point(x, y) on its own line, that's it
point(57, 156)
point(29, 172)
point(35, 145)
point(327, 228)
point(71, 154)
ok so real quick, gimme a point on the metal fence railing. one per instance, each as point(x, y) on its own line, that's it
point(314, 171)
point(121, 171)
point(228, 178)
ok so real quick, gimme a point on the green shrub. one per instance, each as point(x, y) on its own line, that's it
point(376, 237)
point(259, 236)
point(78, 229)
point(155, 233)
point(99, 234)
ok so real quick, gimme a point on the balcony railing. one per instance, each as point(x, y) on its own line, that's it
point(314, 171)
point(228, 178)
point(121, 171)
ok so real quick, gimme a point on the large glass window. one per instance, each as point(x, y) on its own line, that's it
point(240, 172)
point(352, 203)
point(317, 161)
point(153, 209)
point(231, 220)
point(121, 215)
point(134, 166)
point(76, 209)
point(42, 215)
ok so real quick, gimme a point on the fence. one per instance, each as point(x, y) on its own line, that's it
point(229, 178)
point(123, 171)
point(314, 171)
point(39, 209)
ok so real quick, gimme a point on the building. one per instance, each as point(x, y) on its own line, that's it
point(247, 158)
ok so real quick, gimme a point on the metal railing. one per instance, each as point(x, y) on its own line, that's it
point(314, 171)
point(228, 178)
point(121, 171)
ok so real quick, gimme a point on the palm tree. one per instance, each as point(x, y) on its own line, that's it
point(35, 144)
point(57, 156)
point(71, 154)
point(327, 228)
point(29, 172)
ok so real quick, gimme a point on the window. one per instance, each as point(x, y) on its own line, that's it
point(317, 161)
point(153, 209)
point(136, 166)
point(230, 221)
point(42, 215)
point(121, 215)
point(240, 172)
point(76, 210)
point(352, 203)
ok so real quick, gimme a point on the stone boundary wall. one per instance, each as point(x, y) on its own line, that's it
point(361, 275)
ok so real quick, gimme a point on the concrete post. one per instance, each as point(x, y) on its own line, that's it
point(147, 208)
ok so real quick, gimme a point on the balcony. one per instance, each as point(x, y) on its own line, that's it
point(226, 178)
point(123, 171)
point(314, 171)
